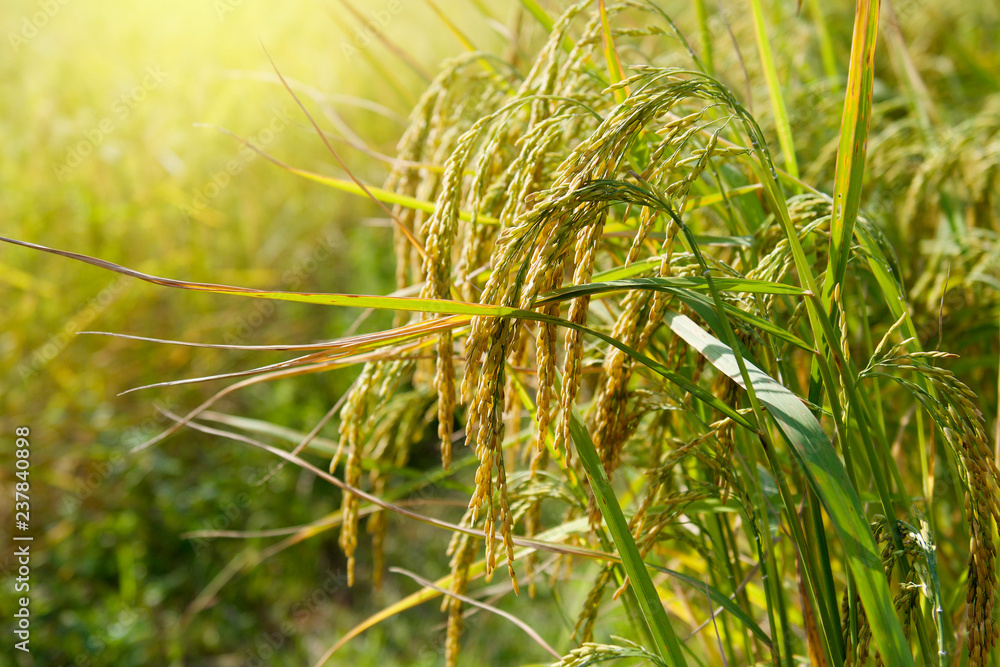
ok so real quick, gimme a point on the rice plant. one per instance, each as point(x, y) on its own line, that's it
point(636, 304)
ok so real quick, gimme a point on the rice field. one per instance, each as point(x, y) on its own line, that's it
point(681, 316)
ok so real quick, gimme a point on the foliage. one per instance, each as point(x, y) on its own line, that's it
point(641, 322)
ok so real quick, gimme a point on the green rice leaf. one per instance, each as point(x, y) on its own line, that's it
point(723, 601)
point(615, 71)
point(849, 177)
point(684, 289)
point(826, 474)
point(774, 91)
point(540, 14)
point(649, 600)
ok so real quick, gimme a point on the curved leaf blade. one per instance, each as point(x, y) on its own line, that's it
point(826, 474)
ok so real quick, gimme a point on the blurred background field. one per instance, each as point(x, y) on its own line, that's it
point(101, 156)
point(97, 107)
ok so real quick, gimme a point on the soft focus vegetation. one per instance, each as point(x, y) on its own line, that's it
point(602, 231)
point(111, 537)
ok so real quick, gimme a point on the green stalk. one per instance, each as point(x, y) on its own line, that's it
point(631, 604)
point(615, 70)
point(717, 539)
point(707, 55)
point(762, 539)
point(654, 615)
point(770, 453)
point(730, 536)
point(887, 631)
point(828, 589)
point(774, 91)
point(825, 43)
point(853, 147)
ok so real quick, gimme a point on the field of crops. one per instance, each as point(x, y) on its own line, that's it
point(529, 333)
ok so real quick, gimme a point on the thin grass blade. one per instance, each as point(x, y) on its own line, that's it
point(649, 600)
